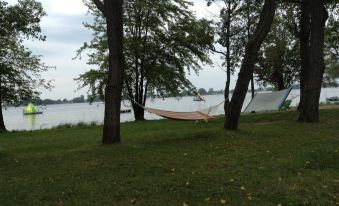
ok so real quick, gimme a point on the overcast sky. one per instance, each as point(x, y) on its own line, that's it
point(65, 34)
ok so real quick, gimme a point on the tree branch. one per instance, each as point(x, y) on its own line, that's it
point(216, 51)
point(292, 1)
point(301, 1)
point(100, 5)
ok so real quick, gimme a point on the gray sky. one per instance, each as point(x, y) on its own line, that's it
point(65, 34)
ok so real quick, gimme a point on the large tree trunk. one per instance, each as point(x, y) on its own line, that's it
point(2, 123)
point(247, 67)
point(113, 14)
point(304, 38)
point(310, 109)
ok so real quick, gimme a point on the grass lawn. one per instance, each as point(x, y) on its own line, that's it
point(271, 160)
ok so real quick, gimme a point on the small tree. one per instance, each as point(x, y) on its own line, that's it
point(19, 69)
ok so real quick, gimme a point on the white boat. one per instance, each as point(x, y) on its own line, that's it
point(197, 99)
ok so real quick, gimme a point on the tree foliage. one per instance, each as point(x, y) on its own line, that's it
point(20, 69)
point(163, 42)
point(332, 42)
point(279, 56)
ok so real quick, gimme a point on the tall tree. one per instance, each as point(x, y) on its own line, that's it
point(279, 57)
point(332, 44)
point(19, 69)
point(250, 58)
point(304, 38)
point(112, 10)
point(229, 37)
point(309, 111)
point(163, 40)
point(236, 25)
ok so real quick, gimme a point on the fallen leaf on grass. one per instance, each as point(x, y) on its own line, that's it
point(133, 201)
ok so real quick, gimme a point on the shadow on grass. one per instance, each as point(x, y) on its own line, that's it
point(175, 138)
point(322, 160)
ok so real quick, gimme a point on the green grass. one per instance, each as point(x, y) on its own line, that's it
point(271, 160)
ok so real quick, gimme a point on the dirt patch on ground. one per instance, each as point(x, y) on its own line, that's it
point(329, 106)
point(270, 122)
point(322, 106)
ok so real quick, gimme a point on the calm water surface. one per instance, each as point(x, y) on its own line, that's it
point(74, 113)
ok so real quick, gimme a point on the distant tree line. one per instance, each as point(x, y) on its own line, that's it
point(38, 101)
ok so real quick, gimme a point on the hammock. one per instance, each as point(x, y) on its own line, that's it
point(272, 101)
point(203, 115)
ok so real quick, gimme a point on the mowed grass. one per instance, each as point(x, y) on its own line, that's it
point(271, 160)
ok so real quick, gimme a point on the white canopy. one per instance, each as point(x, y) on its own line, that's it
point(269, 101)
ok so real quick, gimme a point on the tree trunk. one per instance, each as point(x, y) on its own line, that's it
point(113, 14)
point(310, 109)
point(2, 123)
point(252, 86)
point(278, 78)
point(227, 96)
point(304, 38)
point(247, 67)
point(281, 83)
point(227, 100)
point(228, 69)
point(248, 30)
point(139, 112)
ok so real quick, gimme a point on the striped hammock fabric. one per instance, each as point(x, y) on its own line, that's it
point(188, 116)
point(203, 115)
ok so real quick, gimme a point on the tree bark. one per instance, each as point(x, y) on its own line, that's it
point(304, 38)
point(247, 67)
point(310, 109)
point(113, 14)
point(139, 112)
point(278, 79)
point(248, 30)
point(227, 97)
point(228, 64)
point(281, 83)
point(2, 123)
point(252, 86)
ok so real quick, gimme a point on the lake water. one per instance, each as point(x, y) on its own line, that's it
point(55, 115)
